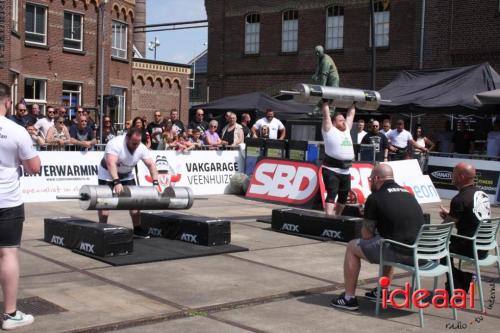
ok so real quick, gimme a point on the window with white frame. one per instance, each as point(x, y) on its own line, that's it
point(15, 15)
point(290, 31)
point(36, 24)
point(73, 31)
point(117, 114)
point(14, 93)
point(35, 91)
point(71, 96)
point(382, 23)
point(252, 34)
point(334, 27)
point(119, 40)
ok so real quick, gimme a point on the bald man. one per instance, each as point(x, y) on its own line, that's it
point(469, 207)
point(397, 216)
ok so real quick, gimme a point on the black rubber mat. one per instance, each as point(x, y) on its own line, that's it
point(160, 249)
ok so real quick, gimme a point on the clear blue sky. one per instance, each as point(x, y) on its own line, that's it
point(179, 45)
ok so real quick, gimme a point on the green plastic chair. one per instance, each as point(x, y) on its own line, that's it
point(485, 238)
point(431, 245)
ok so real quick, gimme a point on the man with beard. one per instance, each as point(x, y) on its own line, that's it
point(379, 140)
point(397, 216)
point(339, 154)
point(155, 130)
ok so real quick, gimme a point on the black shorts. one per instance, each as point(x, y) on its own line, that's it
point(130, 182)
point(336, 184)
point(11, 226)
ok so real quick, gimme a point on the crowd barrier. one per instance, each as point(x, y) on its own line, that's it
point(102, 147)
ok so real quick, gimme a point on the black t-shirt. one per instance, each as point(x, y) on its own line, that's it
point(155, 131)
point(397, 214)
point(202, 125)
point(229, 136)
point(246, 130)
point(178, 126)
point(462, 141)
point(381, 144)
point(469, 207)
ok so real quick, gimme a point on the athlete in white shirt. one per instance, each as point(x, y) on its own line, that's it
point(339, 154)
point(274, 124)
point(399, 139)
point(121, 156)
point(16, 148)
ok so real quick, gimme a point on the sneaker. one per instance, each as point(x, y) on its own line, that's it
point(139, 232)
point(372, 294)
point(342, 303)
point(19, 320)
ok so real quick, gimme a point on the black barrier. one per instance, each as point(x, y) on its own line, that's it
point(253, 151)
point(275, 148)
point(297, 150)
point(367, 153)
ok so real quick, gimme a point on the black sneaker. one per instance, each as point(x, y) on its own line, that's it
point(140, 233)
point(342, 303)
point(372, 294)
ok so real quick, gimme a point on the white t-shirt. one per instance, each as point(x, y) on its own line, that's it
point(274, 125)
point(43, 125)
point(361, 135)
point(493, 144)
point(338, 145)
point(399, 139)
point(15, 146)
point(126, 160)
point(386, 133)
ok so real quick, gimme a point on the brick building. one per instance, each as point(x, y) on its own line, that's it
point(268, 45)
point(199, 93)
point(50, 55)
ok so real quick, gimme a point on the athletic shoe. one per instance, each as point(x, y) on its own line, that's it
point(372, 294)
point(139, 232)
point(343, 303)
point(19, 320)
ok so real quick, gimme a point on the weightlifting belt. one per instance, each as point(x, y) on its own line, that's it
point(120, 175)
point(335, 163)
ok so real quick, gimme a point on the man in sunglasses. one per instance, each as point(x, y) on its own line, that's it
point(21, 117)
point(379, 140)
point(82, 135)
point(43, 124)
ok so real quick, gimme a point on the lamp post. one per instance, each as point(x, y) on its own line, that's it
point(154, 45)
point(102, 6)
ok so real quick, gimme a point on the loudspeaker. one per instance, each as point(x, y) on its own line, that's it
point(102, 240)
point(314, 223)
point(57, 230)
point(199, 230)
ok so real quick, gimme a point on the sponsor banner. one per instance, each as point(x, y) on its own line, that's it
point(204, 171)
point(61, 173)
point(440, 170)
point(284, 181)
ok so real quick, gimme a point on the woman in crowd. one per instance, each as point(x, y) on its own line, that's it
point(422, 141)
point(138, 122)
point(108, 130)
point(232, 133)
point(211, 136)
point(58, 135)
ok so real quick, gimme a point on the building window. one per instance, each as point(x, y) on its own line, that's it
point(35, 91)
point(252, 34)
point(334, 27)
point(15, 15)
point(14, 93)
point(382, 23)
point(119, 40)
point(73, 31)
point(290, 31)
point(36, 24)
point(118, 113)
point(71, 96)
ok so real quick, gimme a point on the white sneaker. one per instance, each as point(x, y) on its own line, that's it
point(19, 320)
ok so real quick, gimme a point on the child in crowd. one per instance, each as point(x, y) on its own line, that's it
point(195, 138)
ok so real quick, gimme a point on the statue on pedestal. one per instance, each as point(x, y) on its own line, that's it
point(326, 73)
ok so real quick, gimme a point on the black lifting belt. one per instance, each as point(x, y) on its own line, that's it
point(120, 175)
point(334, 163)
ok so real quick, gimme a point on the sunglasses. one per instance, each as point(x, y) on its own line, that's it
point(200, 114)
point(22, 110)
point(213, 126)
point(60, 122)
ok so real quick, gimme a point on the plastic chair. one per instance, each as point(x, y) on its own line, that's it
point(485, 238)
point(431, 245)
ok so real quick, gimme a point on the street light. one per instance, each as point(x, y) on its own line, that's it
point(154, 45)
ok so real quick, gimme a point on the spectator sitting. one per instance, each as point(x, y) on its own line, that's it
point(493, 143)
point(198, 123)
point(211, 136)
point(43, 124)
point(108, 130)
point(58, 135)
point(20, 117)
point(274, 124)
point(195, 138)
point(138, 122)
point(177, 125)
point(35, 136)
point(232, 133)
point(82, 135)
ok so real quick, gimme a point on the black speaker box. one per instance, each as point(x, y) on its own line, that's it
point(161, 224)
point(57, 230)
point(318, 224)
point(102, 240)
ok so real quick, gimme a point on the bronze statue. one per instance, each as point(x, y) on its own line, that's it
point(326, 75)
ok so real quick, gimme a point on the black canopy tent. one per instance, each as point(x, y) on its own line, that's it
point(256, 103)
point(448, 91)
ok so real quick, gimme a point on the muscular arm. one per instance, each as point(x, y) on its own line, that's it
point(150, 164)
point(32, 166)
point(111, 164)
point(282, 133)
point(327, 120)
point(350, 116)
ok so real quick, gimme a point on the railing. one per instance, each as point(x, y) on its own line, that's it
point(102, 147)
